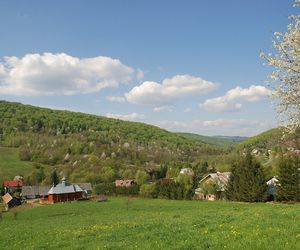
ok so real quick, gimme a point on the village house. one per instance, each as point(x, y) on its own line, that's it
point(125, 183)
point(212, 186)
point(12, 186)
point(64, 192)
point(271, 191)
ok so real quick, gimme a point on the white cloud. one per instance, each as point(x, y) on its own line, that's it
point(119, 99)
point(153, 93)
point(127, 117)
point(186, 110)
point(60, 74)
point(230, 127)
point(233, 99)
point(163, 108)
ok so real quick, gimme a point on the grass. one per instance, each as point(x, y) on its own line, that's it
point(152, 224)
point(11, 165)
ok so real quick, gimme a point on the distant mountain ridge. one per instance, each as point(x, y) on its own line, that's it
point(225, 142)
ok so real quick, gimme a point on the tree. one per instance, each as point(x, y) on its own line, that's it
point(54, 178)
point(289, 179)
point(247, 181)
point(286, 76)
point(141, 177)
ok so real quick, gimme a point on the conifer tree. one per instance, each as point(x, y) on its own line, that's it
point(247, 181)
point(54, 178)
point(289, 179)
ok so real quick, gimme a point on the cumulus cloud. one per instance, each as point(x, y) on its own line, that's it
point(233, 99)
point(126, 117)
point(119, 99)
point(230, 127)
point(60, 74)
point(153, 93)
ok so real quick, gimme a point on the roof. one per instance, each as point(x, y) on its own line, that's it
point(187, 171)
point(7, 198)
point(220, 178)
point(65, 188)
point(85, 186)
point(273, 181)
point(124, 183)
point(35, 190)
point(13, 183)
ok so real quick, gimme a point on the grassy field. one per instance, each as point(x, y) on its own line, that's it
point(152, 224)
point(11, 165)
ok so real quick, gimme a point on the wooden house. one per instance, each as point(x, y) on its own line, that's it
point(64, 192)
point(212, 186)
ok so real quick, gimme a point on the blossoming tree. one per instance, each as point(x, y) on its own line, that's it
point(285, 79)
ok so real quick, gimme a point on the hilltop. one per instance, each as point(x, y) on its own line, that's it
point(273, 139)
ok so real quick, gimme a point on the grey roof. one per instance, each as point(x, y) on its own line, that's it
point(273, 181)
point(85, 186)
point(220, 178)
point(65, 188)
point(35, 190)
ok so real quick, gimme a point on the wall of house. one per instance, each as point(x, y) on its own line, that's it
point(53, 198)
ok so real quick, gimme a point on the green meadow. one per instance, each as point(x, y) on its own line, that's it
point(11, 165)
point(152, 224)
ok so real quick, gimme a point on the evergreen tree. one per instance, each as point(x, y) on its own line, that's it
point(289, 179)
point(54, 178)
point(247, 181)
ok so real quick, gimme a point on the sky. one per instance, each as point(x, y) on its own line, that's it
point(188, 66)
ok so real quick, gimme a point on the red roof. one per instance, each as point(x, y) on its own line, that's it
point(13, 183)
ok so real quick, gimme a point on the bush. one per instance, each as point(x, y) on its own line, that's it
point(148, 190)
point(104, 188)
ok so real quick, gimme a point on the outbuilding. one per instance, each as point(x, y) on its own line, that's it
point(33, 192)
point(10, 201)
point(64, 192)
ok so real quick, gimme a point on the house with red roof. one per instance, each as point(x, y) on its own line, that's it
point(12, 186)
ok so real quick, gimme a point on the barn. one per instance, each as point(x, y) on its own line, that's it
point(64, 192)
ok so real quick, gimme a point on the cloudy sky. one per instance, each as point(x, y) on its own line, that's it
point(190, 66)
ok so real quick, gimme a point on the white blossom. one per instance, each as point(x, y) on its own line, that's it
point(285, 78)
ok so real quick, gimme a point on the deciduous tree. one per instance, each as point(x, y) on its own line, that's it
point(285, 79)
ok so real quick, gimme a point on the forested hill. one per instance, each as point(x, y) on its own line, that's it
point(82, 144)
point(273, 139)
point(225, 142)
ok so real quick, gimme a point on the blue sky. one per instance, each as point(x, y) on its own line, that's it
point(189, 66)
